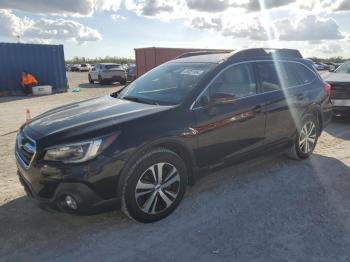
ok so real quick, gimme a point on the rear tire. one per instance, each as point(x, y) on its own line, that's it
point(100, 80)
point(306, 138)
point(90, 80)
point(154, 186)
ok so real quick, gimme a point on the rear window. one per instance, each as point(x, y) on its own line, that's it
point(112, 66)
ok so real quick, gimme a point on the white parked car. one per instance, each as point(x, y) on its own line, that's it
point(107, 73)
point(84, 67)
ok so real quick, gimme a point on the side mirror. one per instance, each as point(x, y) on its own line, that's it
point(331, 70)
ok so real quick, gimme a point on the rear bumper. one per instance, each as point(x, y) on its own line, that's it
point(113, 78)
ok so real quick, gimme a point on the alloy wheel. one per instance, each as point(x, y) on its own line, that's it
point(157, 188)
point(307, 137)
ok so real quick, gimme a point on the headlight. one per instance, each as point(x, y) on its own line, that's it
point(79, 152)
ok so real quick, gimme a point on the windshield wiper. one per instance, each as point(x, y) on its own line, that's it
point(140, 100)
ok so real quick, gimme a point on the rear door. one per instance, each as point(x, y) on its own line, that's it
point(286, 93)
point(226, 130)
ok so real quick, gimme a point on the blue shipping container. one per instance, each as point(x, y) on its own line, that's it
point(45, 62)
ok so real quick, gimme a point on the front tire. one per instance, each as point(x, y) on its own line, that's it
point(306, 138)
point(123, 81)
point(154, 186)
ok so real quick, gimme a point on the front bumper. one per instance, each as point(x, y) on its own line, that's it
point(341, 106)
point(92, 184)
point(341, 102)
point(88, 202)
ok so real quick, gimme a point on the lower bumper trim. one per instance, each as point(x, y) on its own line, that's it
point(341, 102)
point(88, 201)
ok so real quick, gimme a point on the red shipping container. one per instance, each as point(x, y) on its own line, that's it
point(151, 57)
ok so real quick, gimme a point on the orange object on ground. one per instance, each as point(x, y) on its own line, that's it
point(28, 116)
point(29, 79)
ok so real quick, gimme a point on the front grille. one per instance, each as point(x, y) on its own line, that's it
point(340, 91)
point(340, 94)
point(25, 149)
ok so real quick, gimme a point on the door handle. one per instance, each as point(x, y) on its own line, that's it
point(257, 109)
point(299, 96)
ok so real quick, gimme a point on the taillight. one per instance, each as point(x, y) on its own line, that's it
point(328, 89)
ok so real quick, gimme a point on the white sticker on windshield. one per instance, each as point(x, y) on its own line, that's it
point(192, 72)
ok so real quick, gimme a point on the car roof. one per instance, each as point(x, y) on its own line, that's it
point(240, 55)
point(210, 58)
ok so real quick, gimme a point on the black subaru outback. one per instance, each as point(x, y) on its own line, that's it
point(139, 148)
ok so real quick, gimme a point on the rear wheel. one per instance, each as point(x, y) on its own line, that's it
point(90, 80)
point(154, 186)
point(306, 138)
point(100, 80)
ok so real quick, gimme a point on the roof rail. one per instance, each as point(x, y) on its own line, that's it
point(198, 53)
point(267, 52)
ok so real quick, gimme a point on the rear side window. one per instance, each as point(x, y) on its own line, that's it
point(304, 74)
point(277, 75)
point(268, 76)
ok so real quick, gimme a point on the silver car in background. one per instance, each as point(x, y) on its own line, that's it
point(107, 73)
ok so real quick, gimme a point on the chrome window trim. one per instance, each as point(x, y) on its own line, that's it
point(245, 62)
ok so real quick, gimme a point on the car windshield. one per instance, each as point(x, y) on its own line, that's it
point(112, 66)
point(167, 84)
point(344, 68)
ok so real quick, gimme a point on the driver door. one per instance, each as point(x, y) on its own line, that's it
point(229, 116)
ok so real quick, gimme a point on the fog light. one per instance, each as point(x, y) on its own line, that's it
point(71, 203)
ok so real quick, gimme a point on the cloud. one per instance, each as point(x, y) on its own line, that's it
point(308, 28)
point(60, 7)
point(116, 17)
point(61, 29)
point(208, 5)
point(152, 8)
point(324, 5)
point(11, 25)
point(45, 30)
point(204, 23)
point(329, 48)
point(251, 29)
point(254, 5)
point(341, 5)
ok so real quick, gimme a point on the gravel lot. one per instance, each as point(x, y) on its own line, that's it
point(269, 209)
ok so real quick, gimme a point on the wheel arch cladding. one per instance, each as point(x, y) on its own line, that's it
point(174, 145)
point(315, 110)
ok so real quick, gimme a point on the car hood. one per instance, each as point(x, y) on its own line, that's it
point(89, 115)
point(334, 78)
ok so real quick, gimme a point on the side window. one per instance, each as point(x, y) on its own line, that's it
point(289, 76)
point(237, 81)
point(268, 76)
point(305, 75)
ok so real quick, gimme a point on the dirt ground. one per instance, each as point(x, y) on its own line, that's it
point(267, 209)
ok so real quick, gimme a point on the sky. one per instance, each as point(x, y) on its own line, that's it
point(97, 28)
